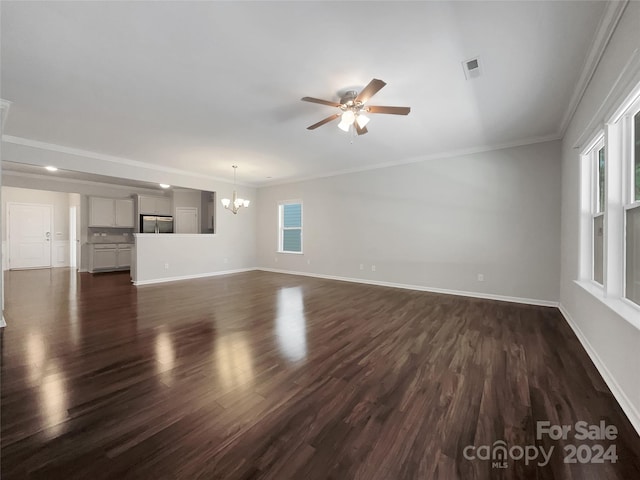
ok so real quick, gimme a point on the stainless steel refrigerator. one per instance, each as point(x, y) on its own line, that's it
point(156, 224)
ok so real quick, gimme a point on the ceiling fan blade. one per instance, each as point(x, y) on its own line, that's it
point(322, 122)
point(320, 101)
point(370, 90)
point(360, 131)
point(391, 110)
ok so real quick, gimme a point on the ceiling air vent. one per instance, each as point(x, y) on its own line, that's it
point(471, 68)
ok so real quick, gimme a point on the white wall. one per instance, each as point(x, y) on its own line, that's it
point(161, 258)
point(435, 224)
point(187, 198)
point(612, 341)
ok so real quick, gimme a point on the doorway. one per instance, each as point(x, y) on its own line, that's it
point(29, 235)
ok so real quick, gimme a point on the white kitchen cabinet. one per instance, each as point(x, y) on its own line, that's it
point(101, 212)
point(149, 205)
point(124, 213)
point(109, 257)
point(104, 257)
point(124, 256)
point(111, 212)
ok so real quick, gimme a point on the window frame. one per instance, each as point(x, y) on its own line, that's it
point(282, 228)
point(597, 145)
point(629, 198)
point(615, 125)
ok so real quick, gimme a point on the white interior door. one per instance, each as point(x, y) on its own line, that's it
point(187, 220)
point(29, 235)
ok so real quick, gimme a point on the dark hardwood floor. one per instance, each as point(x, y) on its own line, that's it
point(261, 375)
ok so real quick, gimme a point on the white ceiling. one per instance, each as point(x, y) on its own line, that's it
point(200, 86)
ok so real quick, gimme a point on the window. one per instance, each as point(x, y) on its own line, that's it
point(601, 179)
point(632, 220)
point(636, 157)
point(609, 257)
point(597, 156)
point(290, 227)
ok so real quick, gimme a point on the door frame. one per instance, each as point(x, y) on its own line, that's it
point(8, 217)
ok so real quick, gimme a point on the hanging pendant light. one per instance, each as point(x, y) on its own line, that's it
point(235, 204)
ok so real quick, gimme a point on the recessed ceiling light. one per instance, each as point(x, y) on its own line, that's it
point(164, 185)
point(51, 168)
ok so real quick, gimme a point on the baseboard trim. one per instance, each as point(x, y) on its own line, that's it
point(627, 406)
point(190, 277)
point(2, 322)
point(420, 288)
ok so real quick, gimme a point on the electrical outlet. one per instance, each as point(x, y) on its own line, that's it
point(361, 266)
point(226, 260)
point(166, 266)
point(308, 262)
point(275, 259)
point(373, 268)
point(481, 277)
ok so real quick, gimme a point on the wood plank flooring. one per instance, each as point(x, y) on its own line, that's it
point(267, 376)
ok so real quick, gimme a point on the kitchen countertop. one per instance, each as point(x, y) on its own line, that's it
point(102, 242)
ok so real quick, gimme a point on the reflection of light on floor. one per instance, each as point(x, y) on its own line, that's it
point(53, 402)
point(73, 284)
point(165, 357)
point(74, 324)
point(233, 358)
point(36, 352)
point(74, 327)
point(46, 377)
point(291, 324)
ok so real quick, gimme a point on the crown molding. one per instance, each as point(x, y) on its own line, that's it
point(421, 158)
point(608, 23)
point(611, 104)
point(135, 163)
point(52, 147)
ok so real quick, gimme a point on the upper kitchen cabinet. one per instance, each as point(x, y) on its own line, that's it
point(154, 205)
point(124, 213)
point(111, 212)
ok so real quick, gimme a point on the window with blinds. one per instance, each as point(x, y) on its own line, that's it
point(290, 221)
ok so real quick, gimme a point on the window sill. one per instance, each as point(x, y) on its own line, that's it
point(623, 307)
point(292, 253)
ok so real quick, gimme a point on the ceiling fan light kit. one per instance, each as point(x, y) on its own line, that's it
point(353, 108)
point(234, 204)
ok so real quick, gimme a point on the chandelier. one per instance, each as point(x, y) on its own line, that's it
point(235, 204)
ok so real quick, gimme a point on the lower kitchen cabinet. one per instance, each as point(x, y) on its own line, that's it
point(108, 257)
point(124, 257)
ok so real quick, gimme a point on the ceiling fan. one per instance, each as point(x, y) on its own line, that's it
point(353, 108)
